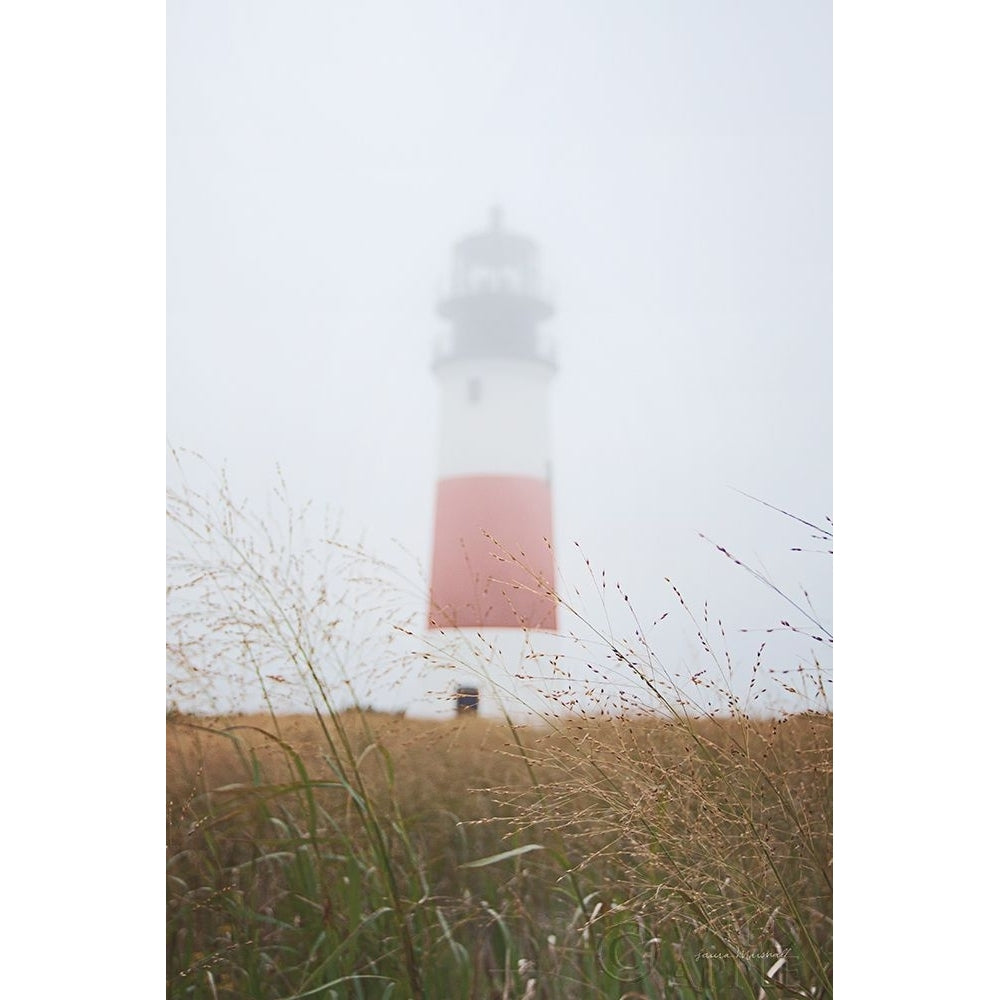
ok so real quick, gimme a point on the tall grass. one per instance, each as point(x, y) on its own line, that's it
point(676, 844)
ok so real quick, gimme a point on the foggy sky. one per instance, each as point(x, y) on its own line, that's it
point(673, 163)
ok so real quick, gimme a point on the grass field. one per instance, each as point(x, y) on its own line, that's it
point(676, 845)
point(364, 855)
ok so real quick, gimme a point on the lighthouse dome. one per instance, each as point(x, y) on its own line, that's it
point(495, 303)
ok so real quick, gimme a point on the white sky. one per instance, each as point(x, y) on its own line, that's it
point(673, 162)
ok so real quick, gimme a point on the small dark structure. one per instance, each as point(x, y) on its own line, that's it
point(466, 700)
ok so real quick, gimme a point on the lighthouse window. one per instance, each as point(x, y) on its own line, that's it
point(475, 390)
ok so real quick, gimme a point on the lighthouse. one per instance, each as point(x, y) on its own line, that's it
point(493, 563)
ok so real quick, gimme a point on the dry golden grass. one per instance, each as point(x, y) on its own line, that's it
point(673, 846)
point(719, 828)
point(436, 764)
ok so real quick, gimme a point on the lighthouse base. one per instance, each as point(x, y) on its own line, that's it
point(516, 674)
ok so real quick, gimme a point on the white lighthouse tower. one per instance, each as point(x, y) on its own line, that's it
point(493, 566)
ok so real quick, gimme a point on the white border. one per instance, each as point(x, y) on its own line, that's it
point(83, 256)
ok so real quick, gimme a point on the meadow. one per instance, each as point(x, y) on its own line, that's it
point(677, 845)
point(368, 855)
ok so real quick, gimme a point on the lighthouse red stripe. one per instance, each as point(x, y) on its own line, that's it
point(493, 564)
